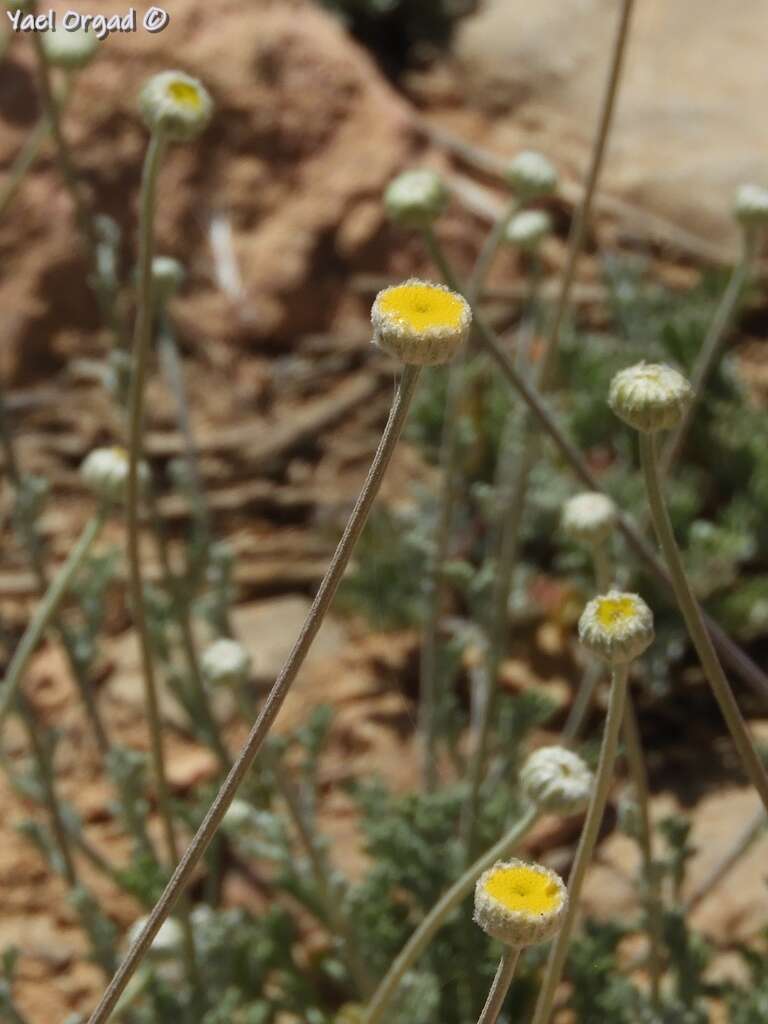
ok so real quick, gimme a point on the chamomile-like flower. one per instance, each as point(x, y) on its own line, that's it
point(105, 472)
point(650, 396)
point(556, 780)
point(420, 323)
point(226, 663)
point(617, 626)
point(416, 198)
point(520, 904)
point(177, 104)
point(589, 517)
point(751, 206)
point(527, 228)
point(530, 174)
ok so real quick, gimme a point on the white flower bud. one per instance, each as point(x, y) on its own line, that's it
point(520, 904)
point(589, 518)
point(168, 276)
point(168, 941)
point(650, 396)
point(105, 473)
point(617, 627)
point(530, 174)
point(226, 663)
point(556, 780)
point(69, 50)
point(420, 323)
point(239, 815)
point(526, 229)
point(177, 104)
point(751, 206)
point(416, 198)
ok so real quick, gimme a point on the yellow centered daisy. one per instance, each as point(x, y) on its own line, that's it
point(186, 94)
point(615, 612)
point(525, 890)
point(421, 306)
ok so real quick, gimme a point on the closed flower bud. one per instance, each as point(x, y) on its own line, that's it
point(420, 323)
point(168, 941)
point(751, 206)
point(589, 518)
point(650, 396)
point(176, 104)
point(520, 904)
point(167, 278)
point(226, 663)
point(617, 627)
point(556, 780)
point(530, 175)
point(69, 50)
point(525, 230)
point(416, 198)
point(105, 472)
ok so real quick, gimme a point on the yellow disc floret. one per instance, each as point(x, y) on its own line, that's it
point(186, 94)
point(421, 323)
point(615, 612)
point(520, 904)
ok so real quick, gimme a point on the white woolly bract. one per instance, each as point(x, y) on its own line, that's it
point(179, 120)
point(105, 473)
point(69, 50)
point(556, 780)
point(531, 174)
point(589, 518)
point(516, 927)
point(623, 638)
point(429, 346)
point(751, 205)
point(416, 198)
point(650, 396)
point(226, 663)
point(527, 229)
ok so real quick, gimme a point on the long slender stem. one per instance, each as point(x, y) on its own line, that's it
point(45, 612)
point(584, 210)
point(709, 351)
point(587, 842)
point(437, 916)
point(731, 652)
point(505, 972)
point(274, 701)
point(730, 858)
point(689, 608)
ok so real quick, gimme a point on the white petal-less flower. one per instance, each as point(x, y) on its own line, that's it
point(520, 904)
point(556, 780)
point(421, 323)
point(226, 663)
point(416, 198)
point(617, 627)
point(650, 396)
point(177, 104)
point(751, 205)
point(69, 50)
point(526, 229)
point(589, 517)
point(105, 473)
point(531, 174)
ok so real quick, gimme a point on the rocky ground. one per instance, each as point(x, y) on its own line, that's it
point(277, 215)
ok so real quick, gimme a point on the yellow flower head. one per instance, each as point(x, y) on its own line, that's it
point(177, 104)
point(616, 626)
point(520, 904)
point(421, 323)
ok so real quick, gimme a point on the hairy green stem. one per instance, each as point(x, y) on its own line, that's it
point(587, 842)
point(709, 351)
point(750, 759)
point(437, 916)
point(274, 701)
point(505, 972)
point(45, 612)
